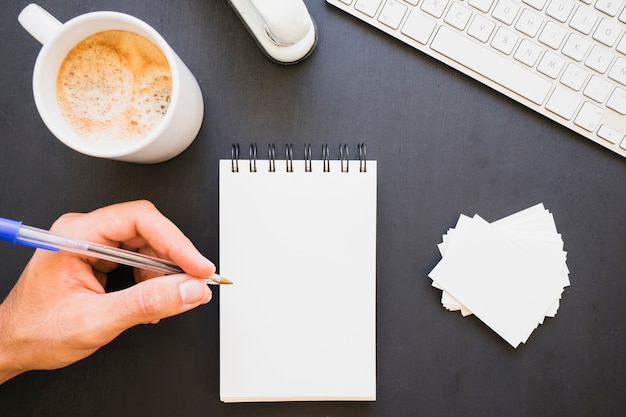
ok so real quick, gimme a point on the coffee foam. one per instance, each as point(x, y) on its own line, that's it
point(114, 86)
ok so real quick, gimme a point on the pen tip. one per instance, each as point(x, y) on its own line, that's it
point(225, 281)
point(217, 279)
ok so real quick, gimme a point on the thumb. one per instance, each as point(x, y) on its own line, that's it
point(151, 300)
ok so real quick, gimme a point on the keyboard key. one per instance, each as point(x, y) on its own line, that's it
point(563, 102)
point(527, 52)
point(552, 35)
point(589, 116)
point(481, 28)
point(610, 7)
point(598, 89)
point(583, 20)
point(392, 14)
point(610, 134)
point(491, 65)
point(574, 77)
point(607, 32)
point(599, 59)
point(505, 11)
point(368, 7)
point(504, 40)
point(419, 27)
point(560, 9)
point(458, 16)
point(529, 23)
point(575, 47)
point(551, 65)
point(434, 8)
point(617, 101)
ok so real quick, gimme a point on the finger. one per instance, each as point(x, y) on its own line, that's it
point(144, 274)
point(151, 300)
point(101, 277)
point(139, 221)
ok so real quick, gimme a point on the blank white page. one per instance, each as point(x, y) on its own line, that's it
point(299, 322)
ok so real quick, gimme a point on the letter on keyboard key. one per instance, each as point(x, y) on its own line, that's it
point(491, 65)
point(527, 52)
point(599, 59)
point(529, 23)
point(481, 28)
point(552, 35)
point(610, 7)
point(575, 47)
point(560, 9)
point(458, 16)
point(504, 40)
point(607, 32)
point(551, 64)
point(434, 8)
point(505, 11)
point(583, 20)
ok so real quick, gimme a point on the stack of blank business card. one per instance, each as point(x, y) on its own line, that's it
point(510, 273)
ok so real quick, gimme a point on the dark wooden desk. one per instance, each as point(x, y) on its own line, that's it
point(445, 145)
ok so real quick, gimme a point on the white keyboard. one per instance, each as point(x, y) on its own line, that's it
point(566, 59)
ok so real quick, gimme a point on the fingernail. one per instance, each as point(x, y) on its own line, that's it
point(193, 291)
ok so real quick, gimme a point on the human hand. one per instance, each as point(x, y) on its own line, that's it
point(58, 311)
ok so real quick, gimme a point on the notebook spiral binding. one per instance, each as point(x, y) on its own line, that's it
point(308, 156)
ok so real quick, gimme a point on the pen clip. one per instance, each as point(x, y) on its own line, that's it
point(10, 230)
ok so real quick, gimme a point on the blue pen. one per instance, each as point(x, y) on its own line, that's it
point(17, 233)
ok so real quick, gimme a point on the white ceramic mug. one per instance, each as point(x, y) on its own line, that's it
point(181, 122)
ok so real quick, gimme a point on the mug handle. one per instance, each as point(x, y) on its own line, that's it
point(39, 23)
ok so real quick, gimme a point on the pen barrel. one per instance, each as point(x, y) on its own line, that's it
point(134, 259)
point(43, 239)
point(38, 238)
point(51, 241)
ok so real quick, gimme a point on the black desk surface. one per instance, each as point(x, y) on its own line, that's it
point(445, 145)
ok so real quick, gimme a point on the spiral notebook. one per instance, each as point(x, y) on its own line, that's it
point(298, 238)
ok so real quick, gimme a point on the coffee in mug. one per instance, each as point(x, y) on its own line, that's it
point(114, 86)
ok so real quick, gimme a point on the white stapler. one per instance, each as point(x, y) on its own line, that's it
point(283, 29)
